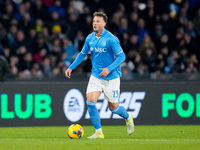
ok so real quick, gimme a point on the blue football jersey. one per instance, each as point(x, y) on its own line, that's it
point(103, 51)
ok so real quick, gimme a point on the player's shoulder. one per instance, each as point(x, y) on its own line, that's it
point(108, 33)
point(111, 36)
point(91, 35)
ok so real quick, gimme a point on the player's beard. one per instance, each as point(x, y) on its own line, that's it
point(95, 30)
point(98, 31)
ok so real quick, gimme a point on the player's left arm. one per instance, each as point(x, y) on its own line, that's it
point(119, 57)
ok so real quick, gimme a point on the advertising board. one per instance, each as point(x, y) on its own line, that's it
point(60, 104)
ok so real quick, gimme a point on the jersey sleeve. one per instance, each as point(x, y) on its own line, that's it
point(81, 55)
point(77, 61)
point(119, 59)
point(115, 45)
point(86, 49)
point(118, 52)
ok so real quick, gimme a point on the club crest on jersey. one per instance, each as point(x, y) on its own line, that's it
point(104, 44)
point(91, 49)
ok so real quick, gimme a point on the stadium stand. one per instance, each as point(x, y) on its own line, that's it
point(40, 38)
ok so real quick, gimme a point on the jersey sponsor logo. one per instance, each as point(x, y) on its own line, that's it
point(90, 43)
point(131, 101)
point(98, 50)
point(74, 105)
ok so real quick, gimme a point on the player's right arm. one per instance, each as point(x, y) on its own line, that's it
point(68, 73)
point(80, 57)
point(76, 62)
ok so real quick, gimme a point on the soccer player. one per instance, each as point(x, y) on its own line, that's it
point(107, 55)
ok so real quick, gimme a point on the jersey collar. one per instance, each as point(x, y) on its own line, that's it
point(102, 34)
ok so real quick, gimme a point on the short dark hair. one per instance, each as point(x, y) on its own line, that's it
point(101, 14)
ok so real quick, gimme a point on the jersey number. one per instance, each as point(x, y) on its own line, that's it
point(115, 94)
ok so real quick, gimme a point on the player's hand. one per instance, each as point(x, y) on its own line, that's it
point(68, 73)
point(104, 73)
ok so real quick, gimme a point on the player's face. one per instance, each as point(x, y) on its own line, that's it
point(98, 24)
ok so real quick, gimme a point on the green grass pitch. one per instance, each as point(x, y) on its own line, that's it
point(145, 138)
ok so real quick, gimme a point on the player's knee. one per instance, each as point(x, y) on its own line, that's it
point(89, 97)
point(113, 106)
point(93, 96)
point(114, 110)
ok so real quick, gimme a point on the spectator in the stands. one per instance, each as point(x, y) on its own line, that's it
point(174, 38)
point(20, 41)
point(57, 7)
point(4, 69)
point(70, 51)
point(39, 10)
point(142, 31)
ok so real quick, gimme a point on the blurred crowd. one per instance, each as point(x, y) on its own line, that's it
point(41, 38)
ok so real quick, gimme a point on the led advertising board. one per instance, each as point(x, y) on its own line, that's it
point(60, 104)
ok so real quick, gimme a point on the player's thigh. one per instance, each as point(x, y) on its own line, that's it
point(112, 91)
point(94, 89)
point(93, 96)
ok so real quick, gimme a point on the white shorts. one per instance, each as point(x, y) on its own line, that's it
point(111, 88)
